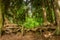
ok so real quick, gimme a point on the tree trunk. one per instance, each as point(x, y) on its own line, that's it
point(57, 14)
point(58, 3)
point(44, 14)
point(0, 17)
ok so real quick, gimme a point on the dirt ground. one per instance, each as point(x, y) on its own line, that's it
point(27, 36)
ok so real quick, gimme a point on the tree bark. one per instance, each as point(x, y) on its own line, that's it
point(58, 2)
point(57, 14)
point(0, 17)
point(44, 14)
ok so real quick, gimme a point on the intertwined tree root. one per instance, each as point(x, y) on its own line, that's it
point(14, 28)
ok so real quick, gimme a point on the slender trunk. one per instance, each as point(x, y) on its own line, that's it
point(29, 7)
point(44, 14)
point(0, 17)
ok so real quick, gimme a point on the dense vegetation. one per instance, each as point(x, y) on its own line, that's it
point(30, 13)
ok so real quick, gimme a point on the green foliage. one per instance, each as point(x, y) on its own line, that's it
point(40, 20)
point(17, 12)
point(20, 10)
point(31, 23)
point(53, 15)
point(34, 21)
point(20, 15)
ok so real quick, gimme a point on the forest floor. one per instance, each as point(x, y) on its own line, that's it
point(27, 36)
